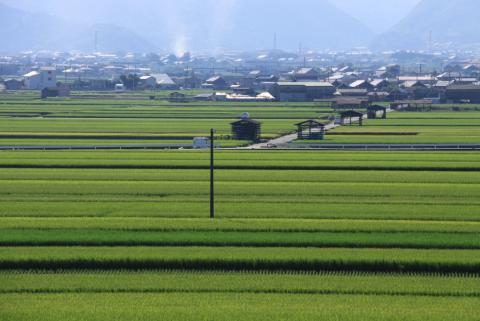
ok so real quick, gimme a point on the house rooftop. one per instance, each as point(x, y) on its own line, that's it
point(377, 82)
point(357, 83)
point(31, 74)
point(304, 71)
point(306, 84)
point(213, 79)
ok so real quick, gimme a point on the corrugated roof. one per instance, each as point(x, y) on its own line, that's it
point(357, 83)
point(163, 79)
point(31, 74)
point(412, 83)
point(303, 71)
point(377, 82)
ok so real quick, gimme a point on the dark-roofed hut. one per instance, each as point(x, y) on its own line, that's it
point(311, 130)
point(177, 97)
point(351, 115)
point(246, 129)
point(374, 110)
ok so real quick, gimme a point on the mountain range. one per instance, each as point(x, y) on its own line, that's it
point(211, 25)
point(21, 31)
point(436, 23)
point(186, 24)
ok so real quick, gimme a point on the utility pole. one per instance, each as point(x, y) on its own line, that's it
point(212, 177)
point(96, 41)
point(430, 41)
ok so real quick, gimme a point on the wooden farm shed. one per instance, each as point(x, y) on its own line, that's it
point(311, 130)
point(177, 97)
point(351, 115)
point(374, 110)
point(347, 102)
point(246, 129)
point(412, 105)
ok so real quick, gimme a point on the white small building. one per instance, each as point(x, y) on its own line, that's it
point(201, 142)
point(32, 80)
point(46, 77)
point(148, 82)
point(119, 88)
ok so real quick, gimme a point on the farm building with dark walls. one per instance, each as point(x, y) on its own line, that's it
point(246, 129)
point(463, 93)
point(302, 91)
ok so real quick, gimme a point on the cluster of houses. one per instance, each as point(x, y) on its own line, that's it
point(273, 76)
point(346, 86)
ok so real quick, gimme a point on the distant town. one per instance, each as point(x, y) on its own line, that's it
point(346, 79)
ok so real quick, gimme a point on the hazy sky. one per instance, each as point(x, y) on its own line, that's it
point(379, 15)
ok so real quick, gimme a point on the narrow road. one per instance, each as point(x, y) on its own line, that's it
point(280, 141)
point(283, 146)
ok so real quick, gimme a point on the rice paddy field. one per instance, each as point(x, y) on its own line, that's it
point(298, 235)
point(331, 235)
point(78, 121)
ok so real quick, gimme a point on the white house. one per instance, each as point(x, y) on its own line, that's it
point(201, 142)
point(46, 77)
point(119, 88)
point(148, 82)
point(32, 80)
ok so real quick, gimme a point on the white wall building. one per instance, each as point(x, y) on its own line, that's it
point(32, 80)
point(119, 88)
point(46, 77)
point(148, 82)
point(201, 142)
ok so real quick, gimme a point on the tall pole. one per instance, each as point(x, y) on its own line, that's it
point(212, 177)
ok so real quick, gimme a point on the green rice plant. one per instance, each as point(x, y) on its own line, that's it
point(280, 160)
point(241, 258)
point(93, 237)
point(238, 282)
point(274, 176)
point(228, 306)
point(287, 225)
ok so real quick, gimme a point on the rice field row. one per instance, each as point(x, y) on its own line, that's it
point(233, 306)
point(273, 160)
point(241, 259)
point(143, 224)
point(242, 282)
point(97, 237)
